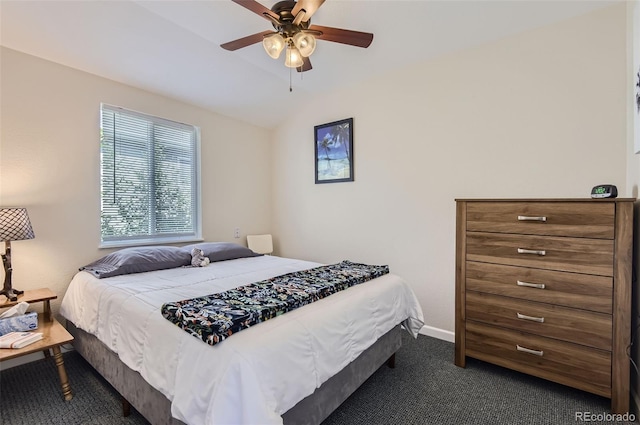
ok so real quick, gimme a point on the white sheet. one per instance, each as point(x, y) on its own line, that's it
point(255, 375)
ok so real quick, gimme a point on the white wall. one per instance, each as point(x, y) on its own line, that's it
point(541, 114)
point(49, 163)
point(633, 171)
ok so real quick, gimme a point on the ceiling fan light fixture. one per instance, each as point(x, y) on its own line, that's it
point(294, 58)
point(305, 42)
point(291, 20)
point(273, 44)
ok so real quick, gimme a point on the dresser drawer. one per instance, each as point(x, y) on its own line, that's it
point(580, 255)
point(583, 291)
point(570, 364)
point(579, 219)
point(568, 324)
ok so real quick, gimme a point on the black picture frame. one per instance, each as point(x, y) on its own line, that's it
point(636, 106)
point(333, 151)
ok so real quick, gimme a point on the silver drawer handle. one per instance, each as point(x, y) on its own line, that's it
point(530, 285)
point(533, 319)
point(529, 218)
point(540, 252)
point(530, 351)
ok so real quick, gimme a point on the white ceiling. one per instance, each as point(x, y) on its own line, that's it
point(173, 47)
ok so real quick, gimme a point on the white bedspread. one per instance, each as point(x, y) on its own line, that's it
point(255, 375)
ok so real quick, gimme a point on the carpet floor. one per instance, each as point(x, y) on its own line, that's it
point(425, 388)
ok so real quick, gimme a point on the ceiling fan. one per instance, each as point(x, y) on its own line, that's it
point(294, 32)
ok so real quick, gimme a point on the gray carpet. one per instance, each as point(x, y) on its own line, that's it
point(425, 388)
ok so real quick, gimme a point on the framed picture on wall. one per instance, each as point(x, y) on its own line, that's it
point(334, 151)
point(636, 118)
point(636, 76)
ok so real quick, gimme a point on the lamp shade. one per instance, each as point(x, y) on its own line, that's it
point(273, 44)
point(15, 224)
point(294, 58)
point(305, 42)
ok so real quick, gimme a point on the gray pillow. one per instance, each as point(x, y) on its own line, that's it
point(137, 260)
point(221, 251)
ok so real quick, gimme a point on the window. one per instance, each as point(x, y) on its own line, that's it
point(149, 179)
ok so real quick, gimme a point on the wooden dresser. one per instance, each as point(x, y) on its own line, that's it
point(543, 286)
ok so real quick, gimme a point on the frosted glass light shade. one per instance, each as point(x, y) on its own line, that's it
point(306, 43)
point(273, 44)
point(294, 58)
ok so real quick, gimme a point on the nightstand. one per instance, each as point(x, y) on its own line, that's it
point(53, 335)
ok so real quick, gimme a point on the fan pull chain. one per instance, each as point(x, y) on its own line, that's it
point(291, 76)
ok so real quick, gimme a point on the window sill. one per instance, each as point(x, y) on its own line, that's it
point(145, 242)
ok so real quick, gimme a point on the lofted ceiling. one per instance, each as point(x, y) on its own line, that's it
point(173, 47)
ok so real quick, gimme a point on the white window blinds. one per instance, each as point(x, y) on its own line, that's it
point(149, 179)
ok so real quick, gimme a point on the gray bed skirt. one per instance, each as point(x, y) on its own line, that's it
point(156, 408)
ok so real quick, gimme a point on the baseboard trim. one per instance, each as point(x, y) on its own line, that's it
point(28, 358)
point(438, 333)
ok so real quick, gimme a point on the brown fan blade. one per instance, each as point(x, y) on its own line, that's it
point(245, 41)
point(337, 35)
point(258, 9)
point(306, 65)
point(309, 7)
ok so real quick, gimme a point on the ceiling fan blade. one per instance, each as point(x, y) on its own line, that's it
point(258, 9)
point(337, 35)
point(309, 7)
point(306, 65)
point(245, 41)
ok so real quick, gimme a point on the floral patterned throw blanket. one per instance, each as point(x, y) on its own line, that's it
point(215, 317)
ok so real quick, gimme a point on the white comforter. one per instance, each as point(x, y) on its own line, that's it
point(257, 374)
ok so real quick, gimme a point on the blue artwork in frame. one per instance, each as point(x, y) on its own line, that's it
point(334, 151)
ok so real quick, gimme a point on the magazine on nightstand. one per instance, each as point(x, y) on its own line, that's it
point(19, 339)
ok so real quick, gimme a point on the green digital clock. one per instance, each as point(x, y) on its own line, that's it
point(604, 191)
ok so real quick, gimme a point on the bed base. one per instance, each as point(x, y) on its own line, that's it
point(156, 408)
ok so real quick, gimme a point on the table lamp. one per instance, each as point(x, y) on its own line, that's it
point(14, 226)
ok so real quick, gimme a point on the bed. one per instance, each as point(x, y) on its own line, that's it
point(295, 368)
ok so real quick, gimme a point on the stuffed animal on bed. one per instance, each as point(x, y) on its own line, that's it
point(198, 258)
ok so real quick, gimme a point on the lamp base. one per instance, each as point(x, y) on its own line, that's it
point(11, 294)
point(7, 290)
